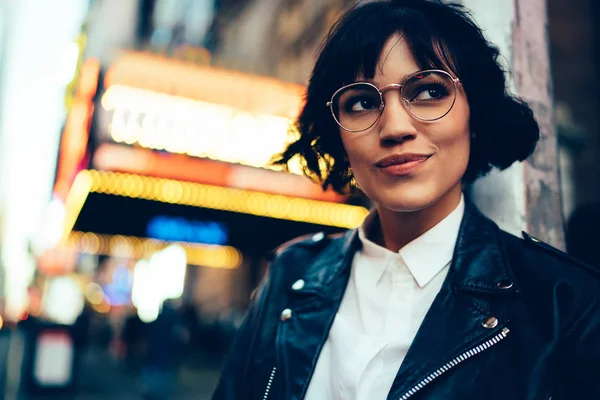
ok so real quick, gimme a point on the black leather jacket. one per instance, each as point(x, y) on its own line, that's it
point(543, 341)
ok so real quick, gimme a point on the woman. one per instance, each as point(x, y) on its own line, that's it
point(428, 299)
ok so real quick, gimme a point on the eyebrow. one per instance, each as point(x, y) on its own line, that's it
point(402, 81)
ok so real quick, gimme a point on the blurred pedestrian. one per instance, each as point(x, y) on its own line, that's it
point(134, 340)
point(428, 299)
point(166, 337)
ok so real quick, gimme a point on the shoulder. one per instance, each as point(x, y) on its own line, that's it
point(292, 257)
point(538, 265)
point(534, 249)
point(308, 244)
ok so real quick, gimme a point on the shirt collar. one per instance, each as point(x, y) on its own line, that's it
point(426, 255)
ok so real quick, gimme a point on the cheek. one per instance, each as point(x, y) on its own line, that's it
point(359, 148)
point(457, 154)
point(457, 140)
point(454, 157)
point(455, 136)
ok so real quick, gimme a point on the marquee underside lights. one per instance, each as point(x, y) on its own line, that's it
point(225, 199)
point(211, 256)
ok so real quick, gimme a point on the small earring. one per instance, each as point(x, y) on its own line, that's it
point(352, 180)
point(473, 135)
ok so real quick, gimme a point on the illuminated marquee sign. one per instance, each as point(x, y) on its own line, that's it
point(201, 111)
point(199, 129)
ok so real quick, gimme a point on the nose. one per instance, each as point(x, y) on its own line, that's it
point(396, 124)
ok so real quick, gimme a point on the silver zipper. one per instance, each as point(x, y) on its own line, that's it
point(269, 383)
point(464, 356)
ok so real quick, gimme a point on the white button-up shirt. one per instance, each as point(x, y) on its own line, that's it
point(386, 300)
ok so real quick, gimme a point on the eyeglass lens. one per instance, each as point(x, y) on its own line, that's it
point(427, 96)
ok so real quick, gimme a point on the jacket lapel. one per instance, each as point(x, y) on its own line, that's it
point(459, 319)
point(314, 306)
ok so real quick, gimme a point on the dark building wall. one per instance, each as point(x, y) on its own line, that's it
point(575, 47)
point(575, 56)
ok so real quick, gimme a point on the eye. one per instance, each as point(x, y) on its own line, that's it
point(432, 93)
point(429, 92)
point(361, 103)
point(357, 99)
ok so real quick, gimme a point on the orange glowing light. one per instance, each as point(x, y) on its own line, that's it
point(139, 161)
point(76, 132)
point(57, 261)
point(102, 308)
point(88, 84)
point(256, 94)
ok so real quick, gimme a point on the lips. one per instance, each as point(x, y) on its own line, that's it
point(400, 159)
point(401, 165)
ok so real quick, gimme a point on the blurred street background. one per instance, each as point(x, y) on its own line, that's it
point(137, 203)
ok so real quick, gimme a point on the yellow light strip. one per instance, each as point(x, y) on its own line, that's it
point(75, 200)
point(226, 199)
point(212, 256)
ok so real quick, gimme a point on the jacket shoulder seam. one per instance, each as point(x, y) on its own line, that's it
point(532, 241)
point(305, 241)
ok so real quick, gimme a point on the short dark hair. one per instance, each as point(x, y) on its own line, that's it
point(440, 35)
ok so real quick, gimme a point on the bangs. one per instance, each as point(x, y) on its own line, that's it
point(358, 41)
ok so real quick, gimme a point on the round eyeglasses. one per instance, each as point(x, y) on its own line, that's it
point(427, 95)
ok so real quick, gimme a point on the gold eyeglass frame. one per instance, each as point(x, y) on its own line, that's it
point(381, 91)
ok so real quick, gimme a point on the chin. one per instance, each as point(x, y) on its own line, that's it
point(407, 197)
point(406, 204)
point(406, 200)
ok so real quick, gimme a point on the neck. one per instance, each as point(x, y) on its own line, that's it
point(396, 229)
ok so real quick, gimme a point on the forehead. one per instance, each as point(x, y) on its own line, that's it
point(396, 60)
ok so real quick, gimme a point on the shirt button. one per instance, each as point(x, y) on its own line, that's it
point(298, 285)
point(490, 323)
point(286, 314)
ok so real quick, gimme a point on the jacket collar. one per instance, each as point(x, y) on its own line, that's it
point(334, 261)
point(479, 263)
